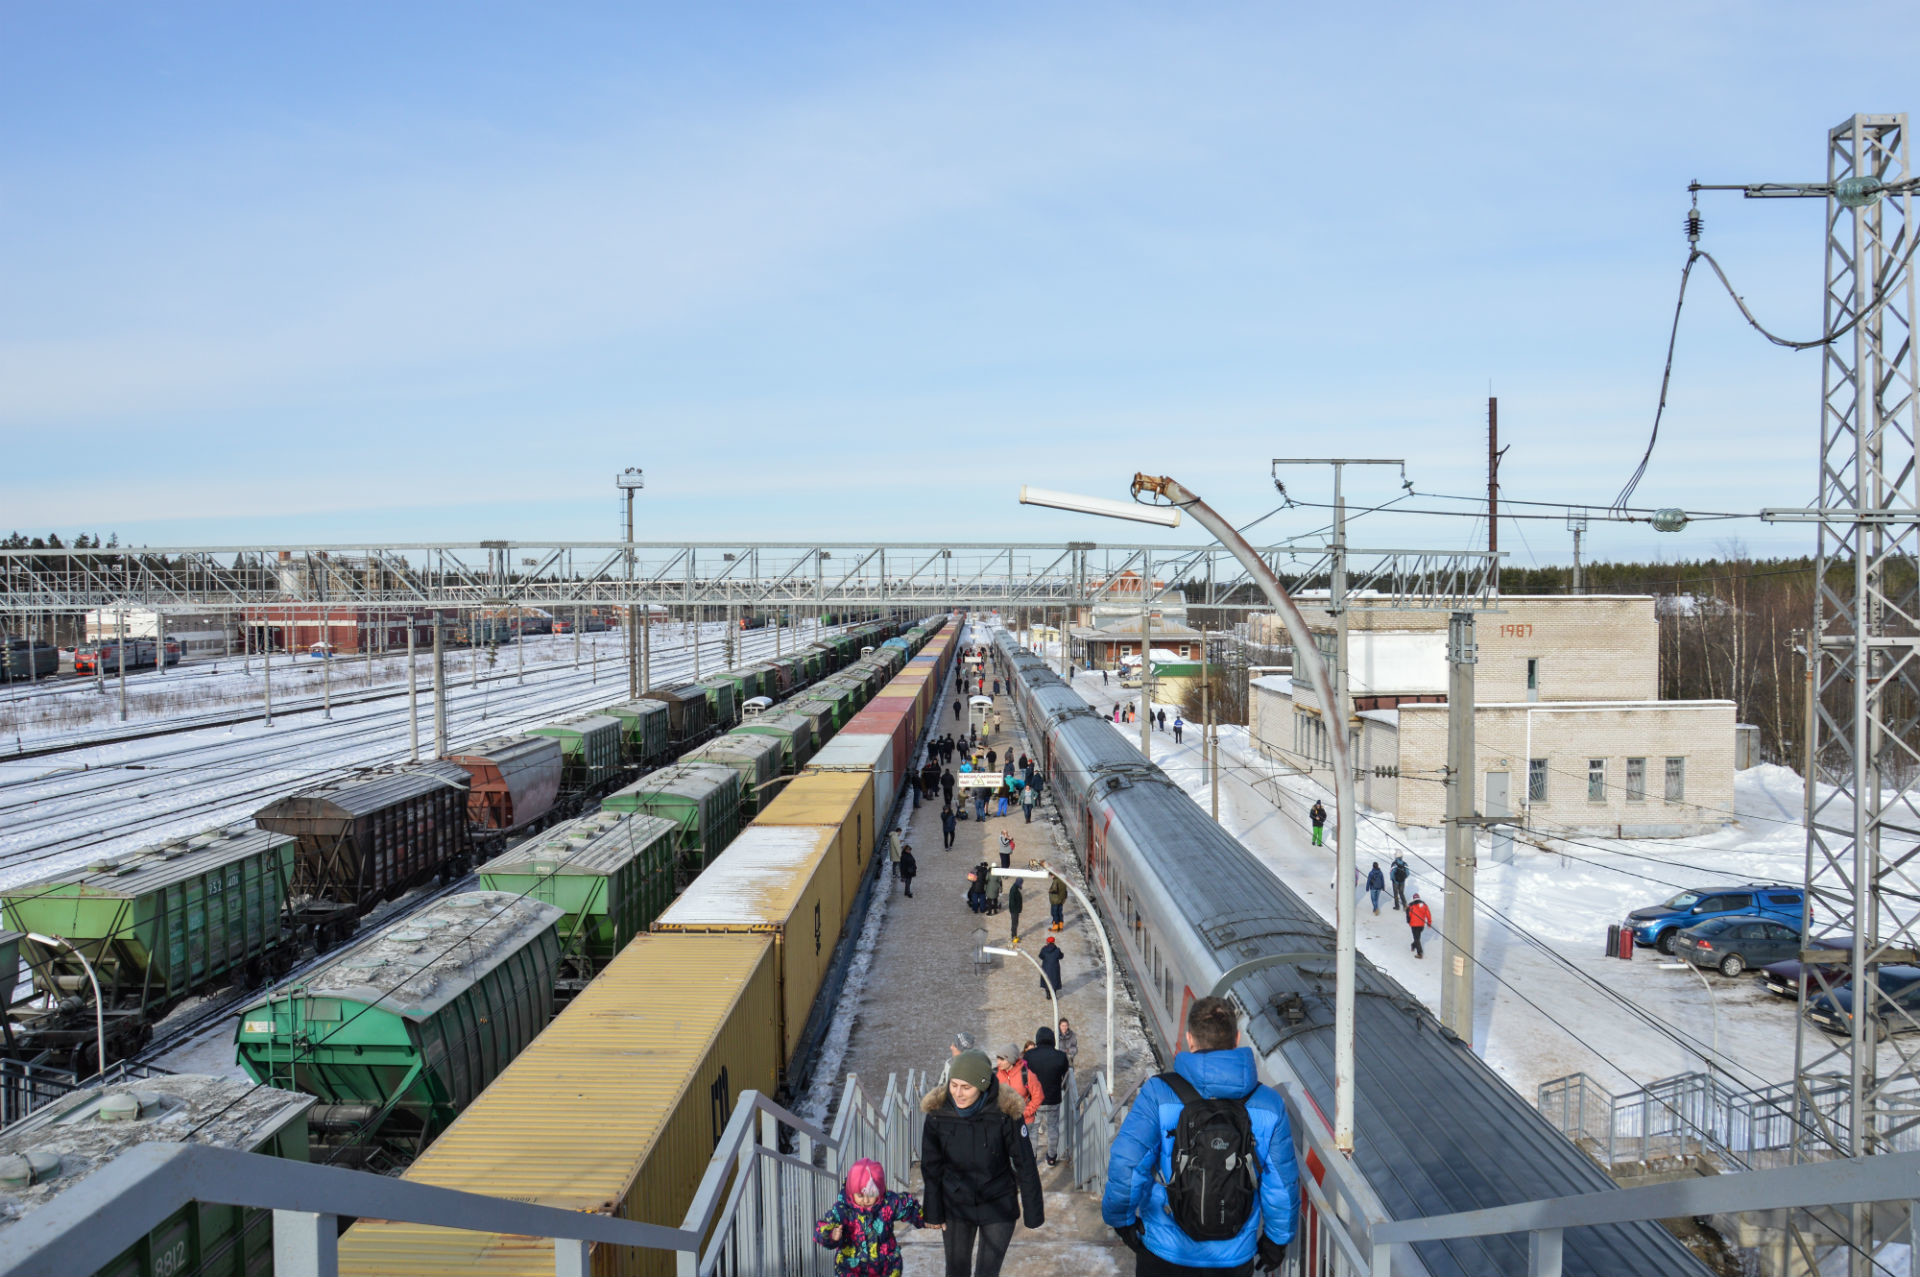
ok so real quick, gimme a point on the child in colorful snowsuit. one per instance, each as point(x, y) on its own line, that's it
point(858, 1227)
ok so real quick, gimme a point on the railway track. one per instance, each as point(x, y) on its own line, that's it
point(89, 809)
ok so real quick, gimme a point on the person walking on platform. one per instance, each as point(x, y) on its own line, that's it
point(956, 709)
point(977, 1167)
point(1057, 902)
point(992, 755)
point(946, 784)
point(1103, 678)
point(908, 867)
point(1160, 721)
point(1318, 816)
point(1178, 723)
point(1026, 801)
point(1014, 904)
point(894, 843)
point(1376, 883)
point(1399, 877)
point(1050, 957)
point(947, 825)
point(1069, 1040)
point(1006, 851)
point(1419, 918)
point(979, 804)
point(1049, 1066)
point(994, 885)
point(1206, 1149)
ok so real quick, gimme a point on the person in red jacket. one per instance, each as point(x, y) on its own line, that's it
point(1010, 1068)
point(1419, 917)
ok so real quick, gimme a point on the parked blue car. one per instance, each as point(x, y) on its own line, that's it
point(1834, 1011)
point(1657, 925)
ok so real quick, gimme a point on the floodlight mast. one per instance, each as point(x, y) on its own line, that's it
point(1307, 654)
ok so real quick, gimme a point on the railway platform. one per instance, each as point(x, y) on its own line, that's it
point(925, 984)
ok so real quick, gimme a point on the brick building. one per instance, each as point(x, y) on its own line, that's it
point(1569, 730)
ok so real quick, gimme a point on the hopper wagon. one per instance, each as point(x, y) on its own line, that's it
point(646, 730)
point(368, 838)
point(701, 798)
point(515, 781)
point(83, 1132)
point(405, 1029)
point(793, 731)
point(157, 926)
point(819, 715)
point(590, 747)
point(756, 758)
point(722, 702)
point(689, 717)
point(612, 873)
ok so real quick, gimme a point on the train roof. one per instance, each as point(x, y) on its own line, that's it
point(374, 791)
point(597, 844)
point(147, 869)
point(426, 959)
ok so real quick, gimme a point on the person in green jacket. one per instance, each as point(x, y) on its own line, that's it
point(1057, 901)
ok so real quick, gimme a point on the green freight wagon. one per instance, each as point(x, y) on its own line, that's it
point(756, 758)
point(82, 1133)
point(612, 873)
point(747, 683)
point(793, 731)
point(845, 698)
point(788, 674)
point(402, 1031)
point(157, 925)
point(721, 700)
point(816, 660)
point(703, 799)
point(646, 728)
point(591, 746)
point(819, 714)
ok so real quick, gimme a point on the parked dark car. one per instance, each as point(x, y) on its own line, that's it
point(1658, 925)
point(1834, 1011)
point(1734, 944)
point(1783, 978)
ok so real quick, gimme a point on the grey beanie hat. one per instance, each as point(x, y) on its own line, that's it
point(964, 1041)
point(973, 1068)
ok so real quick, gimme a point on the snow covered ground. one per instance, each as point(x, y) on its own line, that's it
point(1547, 1002)
point(79, 805)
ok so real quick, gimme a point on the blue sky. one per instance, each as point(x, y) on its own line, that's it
point(364, 272)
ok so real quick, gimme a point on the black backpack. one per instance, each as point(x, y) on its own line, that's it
point(1215, 1185)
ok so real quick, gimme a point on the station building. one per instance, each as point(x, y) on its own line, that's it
point(1108, 634)
point(1569, 728)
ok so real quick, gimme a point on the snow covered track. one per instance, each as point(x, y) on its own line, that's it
point(111, 798)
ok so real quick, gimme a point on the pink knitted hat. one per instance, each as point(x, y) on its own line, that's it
point(866, 1176)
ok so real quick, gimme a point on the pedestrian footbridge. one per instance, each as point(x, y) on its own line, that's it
point(772, 1174)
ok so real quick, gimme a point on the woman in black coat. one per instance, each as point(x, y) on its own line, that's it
point(977, 1166)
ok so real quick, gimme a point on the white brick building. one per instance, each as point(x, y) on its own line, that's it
point(1569, 729)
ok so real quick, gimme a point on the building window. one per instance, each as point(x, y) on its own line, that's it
point(1533, 678)
point(1636, 780)
point(1676, 779)
point(1536, 780)
point(1596, 780)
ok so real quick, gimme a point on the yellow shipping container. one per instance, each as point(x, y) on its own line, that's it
point(843, 800)
point(779, 880)
point(616, 1109)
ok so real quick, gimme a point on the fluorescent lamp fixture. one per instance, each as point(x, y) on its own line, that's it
point(1020, 873)
point(1166, 516)
point(1005, 953)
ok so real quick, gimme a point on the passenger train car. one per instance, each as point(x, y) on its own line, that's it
point(1436, 1130)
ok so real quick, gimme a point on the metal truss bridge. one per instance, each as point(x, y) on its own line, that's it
point(746, 575)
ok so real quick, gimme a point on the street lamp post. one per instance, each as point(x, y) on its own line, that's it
point(630, 481)
point(1100, 933)
point(99, 1008)
point(1045, 983)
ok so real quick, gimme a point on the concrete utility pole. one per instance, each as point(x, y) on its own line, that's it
point(630, 481)
point(439, 688)
point(1577, 524)
point(159, 643)
point(120, 646)
point(413, 700)
point(266, 669)
point(1146, 659)
point(1456, 921)
point(326, 670)
point(646, 648)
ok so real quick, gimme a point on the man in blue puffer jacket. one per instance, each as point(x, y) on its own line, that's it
point(1135, 1204)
